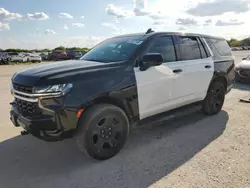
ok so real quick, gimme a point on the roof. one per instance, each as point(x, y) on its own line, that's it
point(143, 35)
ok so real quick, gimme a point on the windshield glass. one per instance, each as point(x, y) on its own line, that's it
point(114, 49)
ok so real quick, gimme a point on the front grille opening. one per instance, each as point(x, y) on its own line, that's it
point(244, 73)
point(25, 89)
point(27, 109)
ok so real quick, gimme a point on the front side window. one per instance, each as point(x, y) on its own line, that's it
point(189, 48)
point(163, 45)
point(114, 49)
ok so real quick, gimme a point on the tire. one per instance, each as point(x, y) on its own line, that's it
point(214, 100)
point(103, 131)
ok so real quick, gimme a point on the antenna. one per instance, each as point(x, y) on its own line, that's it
point(149, 31)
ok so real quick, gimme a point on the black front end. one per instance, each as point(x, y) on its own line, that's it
point(49, 97)
point(45, 117)
point(242, 75)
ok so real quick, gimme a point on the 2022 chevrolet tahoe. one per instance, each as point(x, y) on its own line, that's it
point(120, 82)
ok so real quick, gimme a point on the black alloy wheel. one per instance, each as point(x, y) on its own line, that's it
point(214, 99)
point(103, 131)
point(106, 134)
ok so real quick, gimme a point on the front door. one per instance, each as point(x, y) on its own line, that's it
point(156, 85)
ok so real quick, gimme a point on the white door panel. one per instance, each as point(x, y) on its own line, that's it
point(156, 88)
point(196, 78)
point(160, 89)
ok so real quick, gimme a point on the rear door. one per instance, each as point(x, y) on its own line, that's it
point(198, 70)
point(156, 85)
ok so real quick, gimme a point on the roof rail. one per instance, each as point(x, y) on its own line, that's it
point(149, 31)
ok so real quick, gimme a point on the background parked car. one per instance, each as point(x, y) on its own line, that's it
point(73, 54)
point(58, 55)
point(32, 57)
point(242, 70)
point(44, 56)
point(4, 58)
point(17, 57)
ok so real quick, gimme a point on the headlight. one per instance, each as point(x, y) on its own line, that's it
point(60, 88)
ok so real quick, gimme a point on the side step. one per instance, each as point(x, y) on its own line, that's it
point(166, 116)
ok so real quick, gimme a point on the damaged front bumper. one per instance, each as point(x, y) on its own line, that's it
point(45, 117)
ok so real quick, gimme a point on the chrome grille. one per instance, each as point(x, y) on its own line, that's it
point(26, 108)
point(25, 89)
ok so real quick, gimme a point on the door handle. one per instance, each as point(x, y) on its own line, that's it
point(208, 66)
point(177, 71)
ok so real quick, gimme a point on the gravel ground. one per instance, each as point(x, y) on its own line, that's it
point(189, 152)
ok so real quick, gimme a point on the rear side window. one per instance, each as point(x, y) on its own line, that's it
point(163, 45)
point(219, 47)
point(189, 48)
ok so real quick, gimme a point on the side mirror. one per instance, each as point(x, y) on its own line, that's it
point(150, 60)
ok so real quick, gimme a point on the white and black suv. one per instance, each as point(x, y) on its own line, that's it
point(120, 82)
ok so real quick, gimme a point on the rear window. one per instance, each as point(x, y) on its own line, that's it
point(219, 47)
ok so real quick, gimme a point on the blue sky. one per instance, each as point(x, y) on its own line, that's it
point(50, 23)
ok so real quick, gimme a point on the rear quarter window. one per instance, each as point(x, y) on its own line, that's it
point(219, 47)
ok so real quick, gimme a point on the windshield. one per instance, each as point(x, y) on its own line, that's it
point(114, 49)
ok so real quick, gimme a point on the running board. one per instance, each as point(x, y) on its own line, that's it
point(169, 115)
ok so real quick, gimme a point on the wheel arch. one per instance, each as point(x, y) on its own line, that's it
point(106, 99)
point(220, 77)
point(123, 99)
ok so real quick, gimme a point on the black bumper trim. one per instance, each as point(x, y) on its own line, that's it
point(34, 127)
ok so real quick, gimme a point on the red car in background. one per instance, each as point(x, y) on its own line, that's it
point(58, 55)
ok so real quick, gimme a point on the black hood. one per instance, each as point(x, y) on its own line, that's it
point(60, 72)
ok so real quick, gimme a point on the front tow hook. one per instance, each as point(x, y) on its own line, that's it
point(23, 133)
point(12, 103)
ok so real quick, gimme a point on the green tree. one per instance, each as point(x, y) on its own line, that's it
point(61, 48)
point(245, 42)
point(45, 50)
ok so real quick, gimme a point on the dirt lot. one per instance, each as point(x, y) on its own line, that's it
point(191, 152)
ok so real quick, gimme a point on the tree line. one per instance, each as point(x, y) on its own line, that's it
point(237, 43)
point(59, 48)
